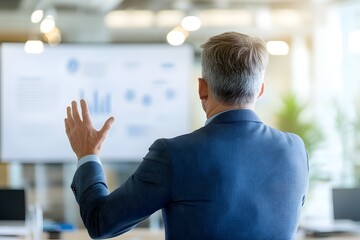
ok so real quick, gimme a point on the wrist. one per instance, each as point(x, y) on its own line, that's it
point(85, 154)
point(88, 158)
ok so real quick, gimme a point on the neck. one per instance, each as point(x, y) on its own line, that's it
point(220, 107)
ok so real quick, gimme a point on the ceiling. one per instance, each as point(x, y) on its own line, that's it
point(85, 20)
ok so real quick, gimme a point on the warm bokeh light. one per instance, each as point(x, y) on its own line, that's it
point(48, 24)
point(191, 23)
point(177, 36)
point(225, 17)
point(34, 47)
point(168, 18)
point(277, 47)
point(129, 19)
point(37, 16)
point(263, 18)
point(53, 37)
point(286, 18)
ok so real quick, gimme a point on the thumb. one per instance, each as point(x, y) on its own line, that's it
point(107, 126)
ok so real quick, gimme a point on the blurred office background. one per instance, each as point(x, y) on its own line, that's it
point(312, 80)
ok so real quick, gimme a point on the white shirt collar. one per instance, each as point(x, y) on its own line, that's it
point(214, 116)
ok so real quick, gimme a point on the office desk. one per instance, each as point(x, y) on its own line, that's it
point(135, 234)
point(145, 234)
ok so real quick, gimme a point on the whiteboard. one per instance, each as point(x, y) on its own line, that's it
point(145, 87)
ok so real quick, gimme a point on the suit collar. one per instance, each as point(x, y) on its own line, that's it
point(235, 116)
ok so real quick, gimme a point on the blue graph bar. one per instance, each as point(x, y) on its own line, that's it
point(97, 104)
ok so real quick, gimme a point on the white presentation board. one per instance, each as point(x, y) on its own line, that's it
point(145, 87)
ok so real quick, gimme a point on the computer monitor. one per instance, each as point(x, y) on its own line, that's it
point(346, 203)
point(12, 205)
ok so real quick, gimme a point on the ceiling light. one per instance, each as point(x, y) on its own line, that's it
point(286, 18)
point(53, 37)
point(225, 17)
point(168, 18)
point(129, 19)
point(191, 23)
point(37, 16)
point(34, 47)
point(177, 36)
point(263, 18)
point(47, 25)
point(277, 47)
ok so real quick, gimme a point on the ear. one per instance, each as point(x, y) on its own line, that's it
point(203, 89)
point(261, 90)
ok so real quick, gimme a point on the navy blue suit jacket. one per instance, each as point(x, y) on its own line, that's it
point(235, 178)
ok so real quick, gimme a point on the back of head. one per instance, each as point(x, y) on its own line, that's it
point(233, 65)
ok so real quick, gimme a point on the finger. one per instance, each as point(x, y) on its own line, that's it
point(67, 128)
point(75, 112)
point(70, 119)
point(85, 111)
point(106, 127)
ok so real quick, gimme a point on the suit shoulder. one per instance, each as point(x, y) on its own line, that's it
point(291, 138)
point(184, 137)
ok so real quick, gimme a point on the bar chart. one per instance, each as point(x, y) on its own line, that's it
point(98, 104)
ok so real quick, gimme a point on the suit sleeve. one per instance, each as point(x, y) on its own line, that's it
point(146, 191)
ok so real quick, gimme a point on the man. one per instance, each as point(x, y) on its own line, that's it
point(234, 178)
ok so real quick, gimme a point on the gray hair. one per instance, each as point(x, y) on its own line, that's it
point(233, 65)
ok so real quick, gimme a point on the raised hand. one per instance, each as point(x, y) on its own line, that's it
point(84, 138)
